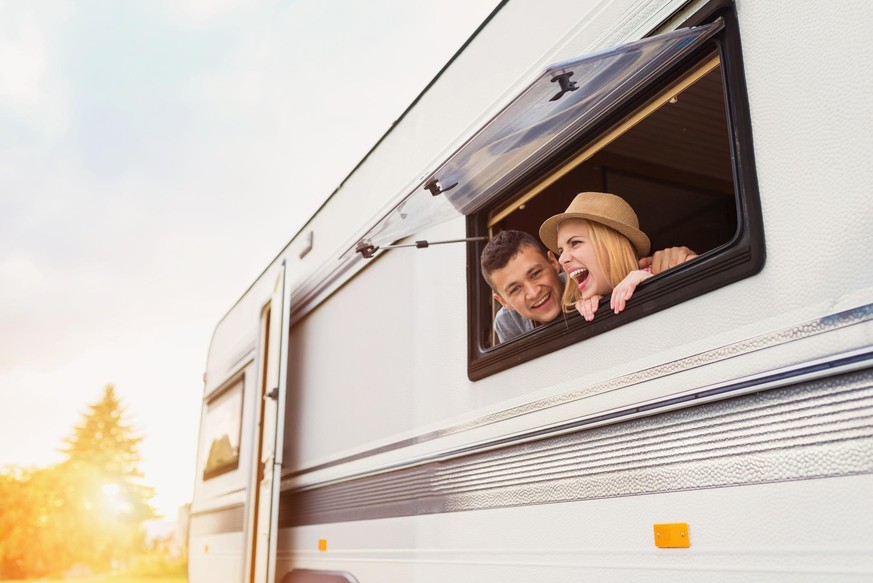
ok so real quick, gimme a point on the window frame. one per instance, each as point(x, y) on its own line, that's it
point(742, 257)
point(234, 384)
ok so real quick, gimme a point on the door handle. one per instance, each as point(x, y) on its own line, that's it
point(274, 394)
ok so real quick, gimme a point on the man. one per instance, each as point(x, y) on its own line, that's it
point(527, 284)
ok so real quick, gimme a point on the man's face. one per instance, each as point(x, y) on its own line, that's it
point(529, 284)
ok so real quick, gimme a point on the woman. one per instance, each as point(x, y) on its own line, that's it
point(598, 243)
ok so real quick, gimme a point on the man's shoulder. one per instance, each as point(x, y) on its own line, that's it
point(508, 324)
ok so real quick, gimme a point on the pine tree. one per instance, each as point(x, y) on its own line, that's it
point(104, 440)
point(103, 477)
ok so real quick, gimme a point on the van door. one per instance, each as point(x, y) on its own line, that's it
point(265, 495)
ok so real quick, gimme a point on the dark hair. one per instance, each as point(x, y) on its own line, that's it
point(502, 247)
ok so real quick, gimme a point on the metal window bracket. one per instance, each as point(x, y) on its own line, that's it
point(435, 188)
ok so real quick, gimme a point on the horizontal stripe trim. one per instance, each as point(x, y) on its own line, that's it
point(807, 329)
point(815, 429)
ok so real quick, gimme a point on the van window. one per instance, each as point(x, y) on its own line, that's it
point(221, 432)
point(679, 152)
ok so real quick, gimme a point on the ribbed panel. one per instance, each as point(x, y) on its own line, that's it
point(817, 429)
point(218, 521)
point(840, 320)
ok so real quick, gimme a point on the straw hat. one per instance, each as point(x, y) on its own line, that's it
point(600, 207)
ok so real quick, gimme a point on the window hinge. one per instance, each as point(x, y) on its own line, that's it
point(435, 188)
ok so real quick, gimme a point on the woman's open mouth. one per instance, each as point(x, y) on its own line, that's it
point(580, 276)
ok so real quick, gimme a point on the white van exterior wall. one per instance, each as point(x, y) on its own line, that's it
point(384, 358)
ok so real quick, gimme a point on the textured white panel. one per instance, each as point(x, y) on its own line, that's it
point(783, 532)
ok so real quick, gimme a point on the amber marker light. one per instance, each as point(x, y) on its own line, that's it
point(674, 535)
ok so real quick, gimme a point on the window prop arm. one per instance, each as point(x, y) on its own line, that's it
point(367, 250)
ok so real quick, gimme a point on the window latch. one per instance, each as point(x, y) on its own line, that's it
point(565, 84)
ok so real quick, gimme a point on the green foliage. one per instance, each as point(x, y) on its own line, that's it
point(86, 511)
point(157, 563)
point(41, 515)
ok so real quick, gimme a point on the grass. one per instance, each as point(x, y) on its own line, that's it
point(153, 567)
point(107, 579)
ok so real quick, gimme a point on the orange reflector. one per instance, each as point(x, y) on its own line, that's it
point(322, 544)
point(672, 536)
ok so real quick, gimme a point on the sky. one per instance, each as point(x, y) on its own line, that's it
point(155, 155)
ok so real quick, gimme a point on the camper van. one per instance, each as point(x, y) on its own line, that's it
point(362, 421)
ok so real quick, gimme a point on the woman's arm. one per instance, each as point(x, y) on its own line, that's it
point(625, 289)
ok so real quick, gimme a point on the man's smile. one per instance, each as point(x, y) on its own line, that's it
point(541, 301)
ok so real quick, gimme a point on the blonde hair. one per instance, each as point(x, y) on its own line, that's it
point(615, 254)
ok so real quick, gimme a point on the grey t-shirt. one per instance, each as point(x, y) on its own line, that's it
point(508, 324)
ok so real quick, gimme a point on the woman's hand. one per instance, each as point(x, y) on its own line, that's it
point(620, 295)
point(587, 308)
point(625, 289)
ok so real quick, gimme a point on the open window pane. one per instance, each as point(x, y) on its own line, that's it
point(541, 120)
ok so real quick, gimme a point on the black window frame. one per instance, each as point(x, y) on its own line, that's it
point(236, 384)
point(742, 257)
